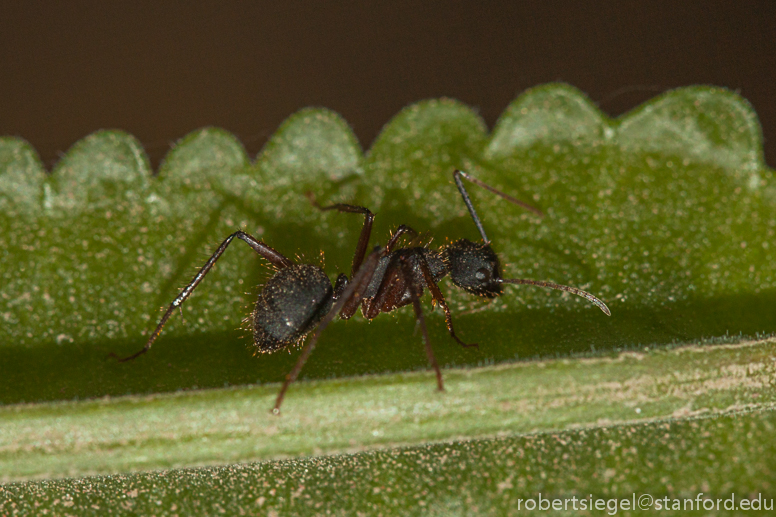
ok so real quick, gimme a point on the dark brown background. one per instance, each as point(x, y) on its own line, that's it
point(162, 69)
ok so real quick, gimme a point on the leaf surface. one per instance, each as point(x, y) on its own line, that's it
point(667, 213)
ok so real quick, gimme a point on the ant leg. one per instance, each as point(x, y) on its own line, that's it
point(436, 293)
point(414, 291)
point(352, 291)
point(457, 175)
point(366, 230)
point(278, 260)
point(340, 284)
point(401, 230)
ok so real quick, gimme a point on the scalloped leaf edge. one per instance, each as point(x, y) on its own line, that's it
point(542, 123)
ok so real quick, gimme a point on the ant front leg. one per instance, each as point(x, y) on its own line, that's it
point(277, 260)
point(436, 293)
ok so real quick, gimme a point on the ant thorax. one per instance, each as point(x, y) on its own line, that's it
point(391, 263)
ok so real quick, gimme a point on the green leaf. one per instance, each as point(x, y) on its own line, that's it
point(102, 171)
point(21, 179)
point(627, 406)
point(730, 451)
point(667, 213)
point(410, 164)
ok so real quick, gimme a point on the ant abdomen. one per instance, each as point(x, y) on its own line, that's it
point(291, 304)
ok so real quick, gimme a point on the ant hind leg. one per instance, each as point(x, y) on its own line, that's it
point(272, 255)
point(414, 290)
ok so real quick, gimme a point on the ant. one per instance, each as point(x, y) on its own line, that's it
point(300, 298)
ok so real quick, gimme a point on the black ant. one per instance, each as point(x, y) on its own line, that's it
point(300, 297)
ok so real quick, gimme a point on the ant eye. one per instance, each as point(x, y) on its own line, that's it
point(482, 274)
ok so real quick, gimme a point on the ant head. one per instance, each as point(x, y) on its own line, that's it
point(474, 268)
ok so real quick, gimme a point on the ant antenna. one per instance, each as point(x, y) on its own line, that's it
point(573, 290)
point(457, 174)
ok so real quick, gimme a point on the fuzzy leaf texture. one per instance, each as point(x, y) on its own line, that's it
point(666, 213)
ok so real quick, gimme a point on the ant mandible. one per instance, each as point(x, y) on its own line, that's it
point(300, 298)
